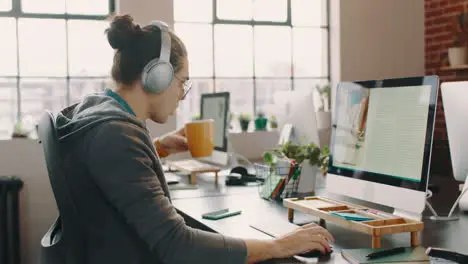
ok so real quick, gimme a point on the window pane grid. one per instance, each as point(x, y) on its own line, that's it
point(46, 72)
point(297, 61)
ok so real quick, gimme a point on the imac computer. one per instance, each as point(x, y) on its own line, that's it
point(454, 96)
point(299, 123)
point(216, 106)
point(382, 140)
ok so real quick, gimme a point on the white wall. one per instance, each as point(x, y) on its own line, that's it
point(375, 39)
point(144, 11)
point(23, 158)
point(380, 39)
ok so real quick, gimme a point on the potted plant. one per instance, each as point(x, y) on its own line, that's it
point(229, 120)
point(273, 122)
point(196, 117)
point(244, 120)
point(311, 157)
point(324, 160)
point(457, 53)
point(261, 121)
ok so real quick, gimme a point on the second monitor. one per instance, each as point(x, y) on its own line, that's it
point(216, 106)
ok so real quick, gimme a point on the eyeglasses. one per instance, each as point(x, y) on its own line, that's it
point(187, 85)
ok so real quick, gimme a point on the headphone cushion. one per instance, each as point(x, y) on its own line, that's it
point(157, 76)
point(241, 170)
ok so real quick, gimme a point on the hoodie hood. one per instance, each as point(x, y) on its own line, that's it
point(93, 110)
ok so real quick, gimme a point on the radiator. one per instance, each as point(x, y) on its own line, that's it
point(9, 220)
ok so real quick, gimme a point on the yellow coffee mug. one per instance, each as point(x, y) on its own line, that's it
point(200, 137)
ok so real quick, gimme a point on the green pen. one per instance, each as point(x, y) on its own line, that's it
point(296, 173)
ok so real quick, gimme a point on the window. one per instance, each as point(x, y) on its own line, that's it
point(252, 48)
point(53, 52)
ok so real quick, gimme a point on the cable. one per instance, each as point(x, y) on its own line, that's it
point(243, 158)
point(428, 196)
point(434, 213)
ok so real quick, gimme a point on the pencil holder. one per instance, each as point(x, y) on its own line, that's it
point(277, 182)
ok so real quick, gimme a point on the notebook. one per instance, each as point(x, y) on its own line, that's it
point(351, 216)
point(416, 255)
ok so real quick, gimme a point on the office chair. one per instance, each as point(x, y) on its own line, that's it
point(63, 242)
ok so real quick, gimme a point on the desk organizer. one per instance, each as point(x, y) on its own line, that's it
point(381, 225)
point(194, 168)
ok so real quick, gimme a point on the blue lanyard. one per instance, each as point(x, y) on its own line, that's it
point(120, 100)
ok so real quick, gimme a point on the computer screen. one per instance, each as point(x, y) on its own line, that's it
point(383, 130)
point(216, 106)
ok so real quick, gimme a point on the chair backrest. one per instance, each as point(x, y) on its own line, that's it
point(63, 242)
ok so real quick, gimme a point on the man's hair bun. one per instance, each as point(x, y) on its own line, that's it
point(122, 32)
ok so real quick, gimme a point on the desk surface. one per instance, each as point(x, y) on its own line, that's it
point(206, 187)
point(450, 235)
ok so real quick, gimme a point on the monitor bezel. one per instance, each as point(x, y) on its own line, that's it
point(432, 81)
point(225, 96)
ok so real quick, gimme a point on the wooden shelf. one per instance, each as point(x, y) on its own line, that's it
point(382, 224)
point(455, 68)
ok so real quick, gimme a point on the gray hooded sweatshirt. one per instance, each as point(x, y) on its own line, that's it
point(119, 189)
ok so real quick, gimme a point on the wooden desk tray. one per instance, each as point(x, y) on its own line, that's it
point(383, 223)
point(194, 170)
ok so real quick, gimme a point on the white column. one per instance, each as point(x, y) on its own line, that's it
point(144, 11)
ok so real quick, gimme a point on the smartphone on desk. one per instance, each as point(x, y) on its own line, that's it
point(220, 214)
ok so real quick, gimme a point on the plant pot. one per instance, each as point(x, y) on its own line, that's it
point(274, 125)
point(261, 123)
point(457, 56)
point(244, 125)
point(308, 179)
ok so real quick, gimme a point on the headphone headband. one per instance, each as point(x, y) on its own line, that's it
point(165, 40)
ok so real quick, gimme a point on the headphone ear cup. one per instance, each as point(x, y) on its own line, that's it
point(157, 76)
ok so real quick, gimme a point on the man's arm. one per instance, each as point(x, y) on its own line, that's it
point(119, 161)
point(161, 151)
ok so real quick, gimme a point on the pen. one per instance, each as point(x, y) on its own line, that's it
point(386, 253)
point(378, 213)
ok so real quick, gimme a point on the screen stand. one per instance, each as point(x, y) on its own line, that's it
point(406, 214)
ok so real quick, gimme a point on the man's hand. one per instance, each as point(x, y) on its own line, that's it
point(304, 239)
point(172, 143)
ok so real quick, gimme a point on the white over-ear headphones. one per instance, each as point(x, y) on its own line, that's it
point(158, 73)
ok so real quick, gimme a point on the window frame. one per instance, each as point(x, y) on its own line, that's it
point(252, 22)
point(17, 13)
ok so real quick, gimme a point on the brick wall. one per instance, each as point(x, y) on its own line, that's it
point(439, 15)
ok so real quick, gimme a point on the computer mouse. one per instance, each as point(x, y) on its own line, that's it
point(315, 254)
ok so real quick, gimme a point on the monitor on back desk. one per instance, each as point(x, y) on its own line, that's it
point(216, 106)
point(454, 96)
point(382, 140)
point(300, 115)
